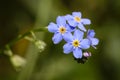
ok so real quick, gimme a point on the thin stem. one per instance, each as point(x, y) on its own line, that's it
point(11, 43)
point(26, 34)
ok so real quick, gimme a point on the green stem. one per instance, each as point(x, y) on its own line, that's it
point(26, 34)
point(11, 43)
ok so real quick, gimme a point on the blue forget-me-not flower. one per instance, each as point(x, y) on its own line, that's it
point(76, 43)
point(61, 30)
point(90, 36)
point(71, 28)
point(76, 19)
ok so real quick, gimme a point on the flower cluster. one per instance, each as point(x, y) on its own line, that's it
point(71, 29)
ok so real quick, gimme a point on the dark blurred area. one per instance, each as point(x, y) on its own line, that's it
point(19, 16)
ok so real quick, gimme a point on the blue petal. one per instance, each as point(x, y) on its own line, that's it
point(78, 35)
point(52, 27)
point(85, 44)
point(77, 14)
point(68, 37)
point(81, 27)
point(57, 38)
point(85, 21)
point(77, 53)
point(68, 28)
point(61, 20)
point(94, 41)
point(72, 23)
point(69, 17)
point(67, 48)
point(90, 33)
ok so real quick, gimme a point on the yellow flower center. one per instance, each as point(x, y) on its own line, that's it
point(76, 43)
point(77, 19)
point(62, 30)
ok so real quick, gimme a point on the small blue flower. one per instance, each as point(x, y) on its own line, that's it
point(76, 20)
point(90, 36)
point(60, 30)
point(76, 43)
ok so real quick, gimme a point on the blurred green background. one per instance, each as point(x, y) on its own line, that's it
point(19, 16)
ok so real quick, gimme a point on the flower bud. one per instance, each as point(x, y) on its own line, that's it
point(17, 61)
point(84, 58)
point(87, 54)
point(40, 45)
